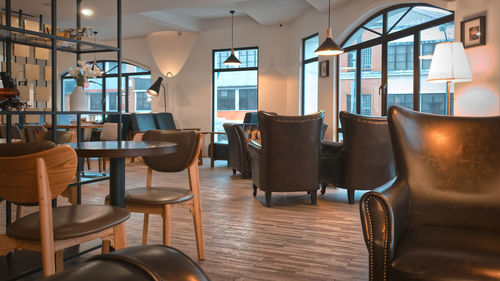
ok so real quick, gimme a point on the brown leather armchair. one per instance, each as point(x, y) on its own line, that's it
point(287, 159)
point(238, 136)
point(439, 219)
point(364, 160)
point(140, 263)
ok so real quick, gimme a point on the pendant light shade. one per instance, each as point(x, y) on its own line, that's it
point(329, 47)
point(232, 60)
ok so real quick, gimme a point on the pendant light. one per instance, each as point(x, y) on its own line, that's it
point(232, 60)
point(329, 47)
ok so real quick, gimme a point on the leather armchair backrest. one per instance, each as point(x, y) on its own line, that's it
point(235, 144)
point(164, 121)
point(251, 118)
point(142, 122)
point(369, 161)
point(187, 146)
point(290, 151)
point(452, 167)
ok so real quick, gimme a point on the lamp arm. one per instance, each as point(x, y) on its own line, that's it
point(164, 98)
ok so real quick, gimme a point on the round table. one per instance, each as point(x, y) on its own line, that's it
point(117, 151)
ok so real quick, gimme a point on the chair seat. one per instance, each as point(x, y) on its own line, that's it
point(432, 253)
point(70, 222)
point(157, 195)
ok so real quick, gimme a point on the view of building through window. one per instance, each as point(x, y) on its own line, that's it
point(367, 44)
point(309, 74)
point(235, 89)
point(135, 82)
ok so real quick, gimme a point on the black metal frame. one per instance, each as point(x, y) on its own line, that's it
point(214, 70)
point(104, 89)
point(303, 74)
point(383, 40)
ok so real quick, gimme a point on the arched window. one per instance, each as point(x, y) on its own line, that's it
point(387, 60)
point(103, 93)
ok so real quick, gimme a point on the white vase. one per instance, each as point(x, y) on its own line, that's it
point(78, 101)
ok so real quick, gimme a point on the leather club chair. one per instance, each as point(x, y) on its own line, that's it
point(238, 136)
point(439, 219)
point(364, 160)
point(287, 159)
point(140, 263)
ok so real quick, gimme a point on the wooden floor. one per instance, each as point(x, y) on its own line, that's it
point(244, 240)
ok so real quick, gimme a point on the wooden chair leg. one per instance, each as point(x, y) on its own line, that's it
point(145, 229)
point(88, 163)
point(194, 182)
point(19, 212)
point(59, 261)
point(105, 246)
point(99, 162)
point(119, 236)
point(166, 225)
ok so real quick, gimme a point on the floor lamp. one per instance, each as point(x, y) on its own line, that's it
point(449, 64)
point(154, 90)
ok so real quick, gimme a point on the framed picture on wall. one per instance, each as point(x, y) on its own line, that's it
point(473, 32)
point(324, 68)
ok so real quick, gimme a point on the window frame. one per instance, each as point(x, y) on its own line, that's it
point(232, 69)
point(125, 76)
point(303, 74)
point(383, 40)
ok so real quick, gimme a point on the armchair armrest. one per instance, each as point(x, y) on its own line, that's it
point(254, 149)
point(384, 219)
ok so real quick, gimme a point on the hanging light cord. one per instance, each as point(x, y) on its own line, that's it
point(329, 13)
point(232, 29)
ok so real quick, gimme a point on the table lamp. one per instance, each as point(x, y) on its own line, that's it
point(449, 64)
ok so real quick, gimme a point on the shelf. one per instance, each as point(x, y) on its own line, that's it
point(38, 39)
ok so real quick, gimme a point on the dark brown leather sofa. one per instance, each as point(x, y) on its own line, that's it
point(440, 218)
point(238, 136)
point(364, 160)
point(140, 263)
point(287, 159)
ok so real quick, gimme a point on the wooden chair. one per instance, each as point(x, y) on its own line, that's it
point(40, 177)
point(158, 200)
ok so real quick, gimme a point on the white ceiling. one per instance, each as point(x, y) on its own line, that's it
point(141, 17)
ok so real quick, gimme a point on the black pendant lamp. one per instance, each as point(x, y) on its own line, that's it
point(232, 60)
point(329, 47)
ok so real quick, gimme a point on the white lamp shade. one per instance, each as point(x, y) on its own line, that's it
point(449, 64)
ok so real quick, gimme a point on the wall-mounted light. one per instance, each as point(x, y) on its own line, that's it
point(87, 12)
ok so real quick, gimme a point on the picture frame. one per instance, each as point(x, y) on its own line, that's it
point(324, 68)
point(473, 32)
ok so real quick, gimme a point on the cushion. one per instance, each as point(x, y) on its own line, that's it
point(156, 196)
point(433, 253)
point(70, 222)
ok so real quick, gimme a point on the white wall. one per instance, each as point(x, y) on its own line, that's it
point(481, 96)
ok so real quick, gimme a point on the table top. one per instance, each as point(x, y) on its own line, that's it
point(73, 126)
point(213, 133)
point(120, 149)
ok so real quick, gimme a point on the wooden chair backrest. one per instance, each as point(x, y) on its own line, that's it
point(18, 175)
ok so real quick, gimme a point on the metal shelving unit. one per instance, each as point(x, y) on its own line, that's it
point(12, 35)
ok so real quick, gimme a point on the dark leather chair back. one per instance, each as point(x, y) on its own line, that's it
point(451, 166)
point(164, 121)
point(290, 151)
point(142, 122)
point(237, 137)
point(251, 118)
point(368, 159)
point(187, 146)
